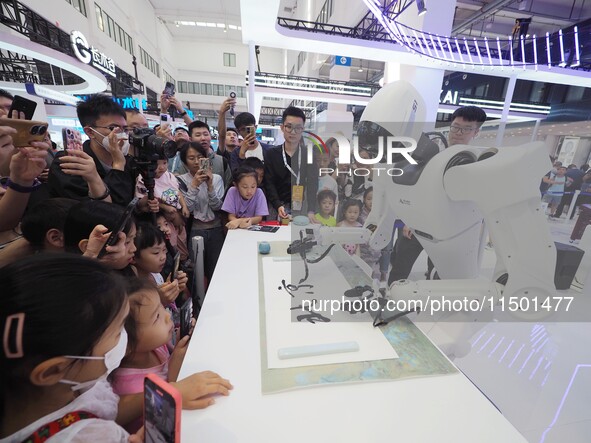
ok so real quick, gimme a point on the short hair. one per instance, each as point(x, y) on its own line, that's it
point(326, 193)
point(192, 145)
point(254, 162)
point(572, 166)
point(83, 217)
point(197, 124)
point(243, 171)
point(45, 215)
point(367, 191)
point(232, 130)
point(348, 203)
point(294, 112)
point(147, 236)
point(244, 119)
point(557, 163)
point(95, 106)
point(181, 128)
point(6, 94)
point(132, 111)
point(471, 114)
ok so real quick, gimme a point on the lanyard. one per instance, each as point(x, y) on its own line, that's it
point(297, 176)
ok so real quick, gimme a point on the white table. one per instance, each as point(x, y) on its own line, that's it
point(226, 340)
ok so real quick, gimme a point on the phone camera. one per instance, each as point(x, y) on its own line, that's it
point(232, 94)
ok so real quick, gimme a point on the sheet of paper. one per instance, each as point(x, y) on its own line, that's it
point(282, 332)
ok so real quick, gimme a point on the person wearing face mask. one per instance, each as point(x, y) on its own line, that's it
point(101, 170)
point(55, 384)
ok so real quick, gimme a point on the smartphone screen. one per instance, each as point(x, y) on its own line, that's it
point(186, 317)
point(23, 105)
point(204, 164)
point(161, 411)
point(121, 223)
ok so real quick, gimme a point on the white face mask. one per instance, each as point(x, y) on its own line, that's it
point(105, 142)
point(112, 361)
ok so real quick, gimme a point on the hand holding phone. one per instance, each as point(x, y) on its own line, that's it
point(162, 411)
point(22, 105)
point(204, 165)
point(232, 95)
point(121, 223)
point(27, 131)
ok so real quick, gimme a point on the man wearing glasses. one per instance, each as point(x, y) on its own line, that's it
point(465, 125)
point(101, 170)
point(290, 182)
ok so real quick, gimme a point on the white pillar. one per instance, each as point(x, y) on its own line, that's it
point(506, 106)
point(251, 70)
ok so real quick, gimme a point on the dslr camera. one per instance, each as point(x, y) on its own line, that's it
point(150, 146)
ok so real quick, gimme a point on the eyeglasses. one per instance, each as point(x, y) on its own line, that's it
point(293, 129)
point(459, 129)
point(112, 127)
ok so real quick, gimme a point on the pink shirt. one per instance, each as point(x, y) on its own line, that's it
point(127, 381)
point(166, 189)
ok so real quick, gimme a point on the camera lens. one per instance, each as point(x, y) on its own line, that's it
point(42, 130)
point(35, 130)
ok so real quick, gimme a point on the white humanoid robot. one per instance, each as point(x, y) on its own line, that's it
point(448, 198)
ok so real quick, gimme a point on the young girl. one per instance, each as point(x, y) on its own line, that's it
point(351, 211)
point(245, 203)
point(326, 205)
point(150, 329)
point(62, 319)
point(171, 201)
point(149, 260)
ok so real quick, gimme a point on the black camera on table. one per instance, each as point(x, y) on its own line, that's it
point(149, 146)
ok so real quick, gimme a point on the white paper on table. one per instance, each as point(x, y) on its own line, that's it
point(283, 333)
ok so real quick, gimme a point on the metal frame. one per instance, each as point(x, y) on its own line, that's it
point(25, 21)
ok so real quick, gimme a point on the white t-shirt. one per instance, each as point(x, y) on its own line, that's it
point(256, 152)
point(101, 401)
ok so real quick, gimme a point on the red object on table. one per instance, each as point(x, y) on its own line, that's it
point(269, 223)
point(583, 220)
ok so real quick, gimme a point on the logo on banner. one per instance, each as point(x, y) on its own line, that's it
point(90, 55)
point(387, 148)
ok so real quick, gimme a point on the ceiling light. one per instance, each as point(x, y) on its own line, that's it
point(201, 24)
point(360, 70)
point(232, 26)
point(221, 25)
point(210, 25)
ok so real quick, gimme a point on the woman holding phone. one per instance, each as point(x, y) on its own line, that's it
point(203, 192)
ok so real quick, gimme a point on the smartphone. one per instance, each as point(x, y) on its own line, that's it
point(175, 269)
point(169, 89)
point(23, 105)
point(186, 317)
point(28, 131)
point(251, 130)
point(72, 139)
point(204, 164)
point(232, 94)
point(264, 228)
point(164, 121)
point(162, 411)
point(121, 223)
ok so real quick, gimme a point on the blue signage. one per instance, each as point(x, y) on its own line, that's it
point(340, 60)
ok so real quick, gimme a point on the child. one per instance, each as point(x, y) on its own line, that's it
point(351, 211)
point(150, 329)
point(88, 226)
point(43, 224)
point(326, 205)
point(62, 374)
point(149, 260)
point(172, 203)
point(326, 180)
point(245, 203)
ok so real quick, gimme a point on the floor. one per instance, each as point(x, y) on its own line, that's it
point(537, 374)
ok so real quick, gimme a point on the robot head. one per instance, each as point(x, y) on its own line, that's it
point(396, 110)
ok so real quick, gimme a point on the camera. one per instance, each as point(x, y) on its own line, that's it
point(149, 145)
point(232, 95)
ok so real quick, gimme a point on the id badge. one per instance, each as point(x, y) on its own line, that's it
point(297, 197)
